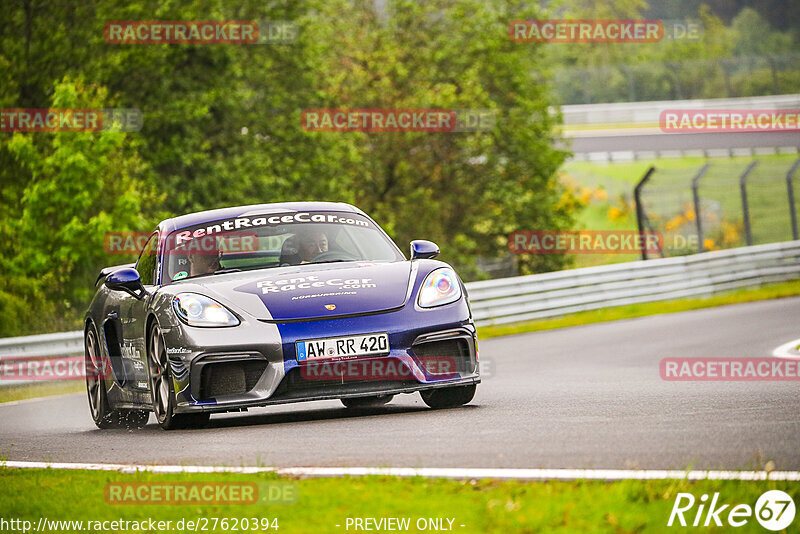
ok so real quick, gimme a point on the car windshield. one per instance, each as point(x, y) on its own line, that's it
point(274, 240)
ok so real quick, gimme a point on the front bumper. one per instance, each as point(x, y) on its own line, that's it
point(254, 364)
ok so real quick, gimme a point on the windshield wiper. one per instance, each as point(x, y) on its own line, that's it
point(218, 271)
point(330, 261)
point(227, 270)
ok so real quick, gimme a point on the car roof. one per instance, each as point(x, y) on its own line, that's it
point(200, 217)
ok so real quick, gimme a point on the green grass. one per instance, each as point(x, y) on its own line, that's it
point(323, 503)
point(668, 198)
point(595, 217)
point(630, 311)
point(598, 173)
point(41, 389)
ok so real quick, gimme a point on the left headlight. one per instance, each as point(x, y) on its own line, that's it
point(199, 310)
point(439, 288)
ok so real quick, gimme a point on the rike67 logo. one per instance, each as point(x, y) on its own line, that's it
point(774, 510)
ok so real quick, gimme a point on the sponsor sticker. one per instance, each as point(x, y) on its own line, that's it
point(181, 237)
point(311, 282)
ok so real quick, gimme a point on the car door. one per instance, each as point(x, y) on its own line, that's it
point(134, 317)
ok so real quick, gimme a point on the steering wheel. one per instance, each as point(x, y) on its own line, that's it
point(333, 255)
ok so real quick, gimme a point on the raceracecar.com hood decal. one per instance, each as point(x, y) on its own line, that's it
point(311, 293)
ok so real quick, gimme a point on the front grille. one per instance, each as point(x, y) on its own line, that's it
point(441, 354)
point(230, 378)
point(295, 385)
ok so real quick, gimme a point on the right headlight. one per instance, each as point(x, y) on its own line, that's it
point(440, 287)
point(199, 310)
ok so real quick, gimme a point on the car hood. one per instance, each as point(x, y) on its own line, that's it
point(312, 291)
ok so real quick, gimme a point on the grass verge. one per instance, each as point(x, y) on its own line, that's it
point(325, 504)
point(42, 389)
point(630, 172)
point(630, 311)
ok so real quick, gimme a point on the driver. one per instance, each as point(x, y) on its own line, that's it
point(312, 245)
point(203, 256)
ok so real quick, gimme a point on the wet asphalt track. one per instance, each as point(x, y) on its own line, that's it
point(584, 397)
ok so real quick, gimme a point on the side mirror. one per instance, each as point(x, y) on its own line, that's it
point(421, 249)
point(126, 279)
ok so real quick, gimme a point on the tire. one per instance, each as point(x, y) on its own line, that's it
point(448, 397)
point(99, 407)
point(375, 401)
point(163, 388)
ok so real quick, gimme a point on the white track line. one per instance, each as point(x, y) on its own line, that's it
point(432, 472)
point(788, 351)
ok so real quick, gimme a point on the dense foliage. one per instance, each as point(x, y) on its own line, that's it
point(222, 126)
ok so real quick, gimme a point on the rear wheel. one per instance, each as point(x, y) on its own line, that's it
point(448, 397)
point(163, 389)
point(96, 370)
point(374, 401)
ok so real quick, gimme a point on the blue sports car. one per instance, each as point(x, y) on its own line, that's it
point(256, 305)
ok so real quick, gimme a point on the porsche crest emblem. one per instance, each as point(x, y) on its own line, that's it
point(330, 307)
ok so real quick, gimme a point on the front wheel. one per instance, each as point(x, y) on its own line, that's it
point(163, 388)
point(448, 397)
point(97, 368)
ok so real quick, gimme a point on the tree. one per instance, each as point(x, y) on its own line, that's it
point(78, 187)
point(467, 191)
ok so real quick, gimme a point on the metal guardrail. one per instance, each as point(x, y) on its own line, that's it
point(537, 296)
point(649, 112)
point(43, 347)
point(708, 153)
point(522, 298)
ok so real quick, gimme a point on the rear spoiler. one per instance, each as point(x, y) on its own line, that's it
point(108, 270)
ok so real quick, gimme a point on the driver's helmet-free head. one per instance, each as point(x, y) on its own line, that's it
point(202, 254)
point(311, 243)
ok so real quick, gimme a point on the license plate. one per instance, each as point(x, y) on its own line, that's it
point(339, 347)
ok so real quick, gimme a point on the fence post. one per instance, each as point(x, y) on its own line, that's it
point(637, 195)
point(696, 198)
point(745, 206)
point(790, 193)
